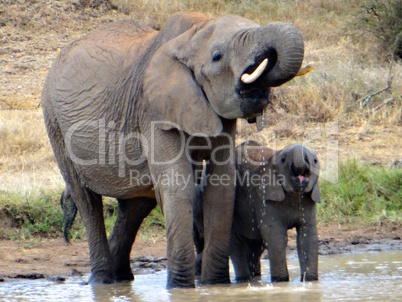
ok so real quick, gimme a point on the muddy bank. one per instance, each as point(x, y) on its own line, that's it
point(140, 266)
point(332, 247)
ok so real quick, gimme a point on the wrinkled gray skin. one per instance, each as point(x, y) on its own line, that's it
point(264, 210)
point(103, 102)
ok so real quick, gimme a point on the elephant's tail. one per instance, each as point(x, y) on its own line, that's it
point(69, 212)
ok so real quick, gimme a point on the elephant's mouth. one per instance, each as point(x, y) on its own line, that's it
point(253, 100)
point(300, 177)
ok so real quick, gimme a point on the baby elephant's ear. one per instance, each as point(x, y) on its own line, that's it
point(174, 99)
point(315, 193)
point(270, 188)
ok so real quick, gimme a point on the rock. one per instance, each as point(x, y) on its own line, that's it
point(75, 273)
point(32, 276)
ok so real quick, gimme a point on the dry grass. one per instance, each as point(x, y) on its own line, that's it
point(27, 164)
point(348, 65)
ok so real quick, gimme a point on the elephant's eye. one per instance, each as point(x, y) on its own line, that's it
point(315, 160)
point(283, 159)
point(216, 56)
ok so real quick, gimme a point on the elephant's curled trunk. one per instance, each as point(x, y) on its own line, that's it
point(282, 43)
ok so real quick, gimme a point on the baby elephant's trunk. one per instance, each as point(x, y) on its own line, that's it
point(301, 166)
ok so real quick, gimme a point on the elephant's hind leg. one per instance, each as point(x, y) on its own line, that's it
point(89, 205)
point(130, 214)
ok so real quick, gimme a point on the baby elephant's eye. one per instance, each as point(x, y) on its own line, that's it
point(283, 159)
point(216, 56)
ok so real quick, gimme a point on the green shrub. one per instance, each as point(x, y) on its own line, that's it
point(363, 192)
point(154, 219)
point(30, 215)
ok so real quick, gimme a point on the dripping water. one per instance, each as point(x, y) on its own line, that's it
point(302, 217)
point(303, 234)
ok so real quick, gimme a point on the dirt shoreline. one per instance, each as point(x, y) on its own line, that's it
point(53, 259)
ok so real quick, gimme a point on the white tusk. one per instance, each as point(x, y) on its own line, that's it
point(249, 78)
point(306, 69)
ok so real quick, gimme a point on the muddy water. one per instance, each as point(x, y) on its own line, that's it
point(352, 277)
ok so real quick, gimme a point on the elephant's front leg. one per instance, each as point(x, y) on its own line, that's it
point(130, 214)
point(218, 216)
point(238, 256)
point(276, 237)
point(173, 180)
point(176, 202)
point(307, 248)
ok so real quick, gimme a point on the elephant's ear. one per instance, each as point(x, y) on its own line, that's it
point(270, 187)
point(175, 99)
point(315, 193)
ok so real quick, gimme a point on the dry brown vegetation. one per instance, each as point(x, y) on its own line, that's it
point(319, 107)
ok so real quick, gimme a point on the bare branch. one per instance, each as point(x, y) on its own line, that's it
point(367, 98)
point(385, 102)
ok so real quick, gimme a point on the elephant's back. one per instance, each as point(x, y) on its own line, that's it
point(90, 77)
point(120, 36)
point(250, 154)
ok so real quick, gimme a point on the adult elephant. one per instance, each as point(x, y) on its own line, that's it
point(130, 110)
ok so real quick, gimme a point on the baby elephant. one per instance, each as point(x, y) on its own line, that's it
point(276, 191)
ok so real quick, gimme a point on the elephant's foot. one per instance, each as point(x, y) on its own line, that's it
point(307, 278)
point(211, 281)
point(215, 267)
point(280, 278)
point(124, 275)
point(179, 284)
point(243, 279)
point(181, 280)
point(101, 277)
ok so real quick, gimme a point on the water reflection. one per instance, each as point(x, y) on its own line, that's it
point(360, 277)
